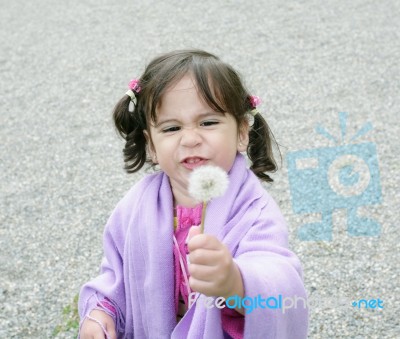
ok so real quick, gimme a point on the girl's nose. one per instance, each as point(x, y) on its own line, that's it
point(190, 137)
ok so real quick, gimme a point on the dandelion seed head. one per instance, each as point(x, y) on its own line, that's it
point(207, 182)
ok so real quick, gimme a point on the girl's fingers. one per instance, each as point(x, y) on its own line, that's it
point(204, 287)
point(203, 273)
point(209, 258)
point(204, 241)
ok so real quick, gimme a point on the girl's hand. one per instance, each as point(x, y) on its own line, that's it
point(212, 269)
point(92, 330)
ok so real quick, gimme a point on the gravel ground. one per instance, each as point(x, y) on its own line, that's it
point(64, 65)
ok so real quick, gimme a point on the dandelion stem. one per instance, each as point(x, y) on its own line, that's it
point(203, 216)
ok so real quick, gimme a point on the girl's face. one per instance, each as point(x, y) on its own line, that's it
point(188, 134)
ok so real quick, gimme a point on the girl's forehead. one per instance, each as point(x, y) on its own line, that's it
point(184, 94)
point(187, 82)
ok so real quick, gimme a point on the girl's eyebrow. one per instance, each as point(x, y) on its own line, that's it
point(199, 117)
point(162, 122)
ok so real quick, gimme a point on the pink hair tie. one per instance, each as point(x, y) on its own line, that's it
point(134, 89)
point(134, 85)
point(254, 102)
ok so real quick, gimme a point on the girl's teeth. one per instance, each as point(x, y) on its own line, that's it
point(192, 161)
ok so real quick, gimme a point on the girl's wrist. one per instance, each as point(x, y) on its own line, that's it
point(237, 287)
point(101, 325)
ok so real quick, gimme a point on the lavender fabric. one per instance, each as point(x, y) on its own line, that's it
point(137, 272)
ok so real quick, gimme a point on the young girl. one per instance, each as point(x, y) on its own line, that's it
point(187, 110)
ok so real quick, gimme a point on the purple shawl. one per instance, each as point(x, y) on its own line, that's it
point(137, 272)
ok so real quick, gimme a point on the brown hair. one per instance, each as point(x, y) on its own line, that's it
point(219, 85)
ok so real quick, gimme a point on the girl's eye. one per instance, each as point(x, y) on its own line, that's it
point(171, 129)
point(209, 123)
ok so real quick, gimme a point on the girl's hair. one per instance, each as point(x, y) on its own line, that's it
point(218, 84)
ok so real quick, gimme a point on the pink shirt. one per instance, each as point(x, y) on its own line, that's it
point(232, 321)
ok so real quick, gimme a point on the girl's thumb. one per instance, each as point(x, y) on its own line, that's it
point(194, 230)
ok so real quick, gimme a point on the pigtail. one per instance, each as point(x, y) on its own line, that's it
point(260, 149)
point(130, 126)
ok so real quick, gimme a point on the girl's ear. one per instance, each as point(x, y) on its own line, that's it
point(243, 136)
point(150, 147)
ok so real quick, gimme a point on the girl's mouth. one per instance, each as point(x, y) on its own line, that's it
point(193, 162)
